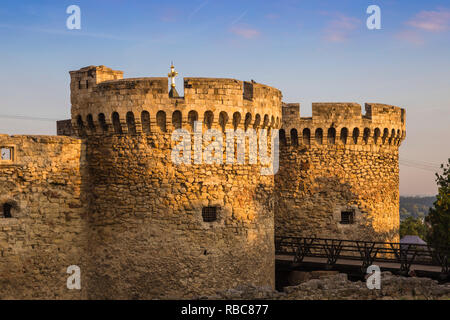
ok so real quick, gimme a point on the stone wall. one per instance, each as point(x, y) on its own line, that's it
point(114, 203)
point(46, 231)
point(340, 161)
point(148, 238)
point(147, 235)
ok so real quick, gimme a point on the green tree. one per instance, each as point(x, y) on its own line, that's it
point(412, 227)
point(438, 219)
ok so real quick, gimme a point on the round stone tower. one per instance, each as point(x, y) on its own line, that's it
point(160, 229)
point(339, 173)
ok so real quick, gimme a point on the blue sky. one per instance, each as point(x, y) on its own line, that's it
point(311, 50)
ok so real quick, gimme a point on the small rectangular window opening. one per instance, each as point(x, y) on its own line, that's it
point(209, 214)
point(347, 217)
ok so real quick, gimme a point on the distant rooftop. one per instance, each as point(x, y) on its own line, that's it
point(412, 240)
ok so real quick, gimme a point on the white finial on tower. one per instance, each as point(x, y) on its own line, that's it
point(172, 74)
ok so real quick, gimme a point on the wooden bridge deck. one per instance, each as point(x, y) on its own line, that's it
point(354, 263)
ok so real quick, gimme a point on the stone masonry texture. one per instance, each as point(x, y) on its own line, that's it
point(340, 161)
point(106, 196)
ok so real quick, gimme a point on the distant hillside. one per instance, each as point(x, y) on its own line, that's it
point(416, 207)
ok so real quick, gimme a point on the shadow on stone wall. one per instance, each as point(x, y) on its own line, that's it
point(316, 211)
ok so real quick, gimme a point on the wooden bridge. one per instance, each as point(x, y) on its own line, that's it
point(295, 252)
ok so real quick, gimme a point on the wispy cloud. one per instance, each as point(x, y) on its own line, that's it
point(434, 21)
point(409, 36)
point(340, 27)
point(245, 31)
point(241, 16)
point(65, 32)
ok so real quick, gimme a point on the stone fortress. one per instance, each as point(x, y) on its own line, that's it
point(104, 194)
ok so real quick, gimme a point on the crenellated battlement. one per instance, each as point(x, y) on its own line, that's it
point(82, 81)
point(343, 124)
point(105, 103)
